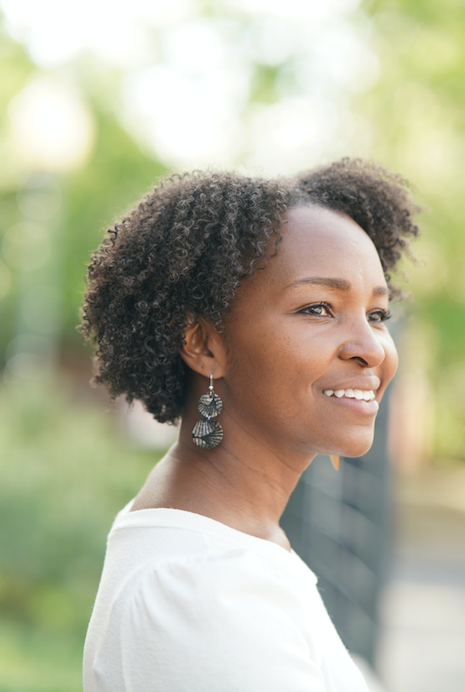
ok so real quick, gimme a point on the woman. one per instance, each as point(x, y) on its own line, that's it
point(255, 310)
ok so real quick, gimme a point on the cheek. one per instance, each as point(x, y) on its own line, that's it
point(274, 367)
point(258, 363)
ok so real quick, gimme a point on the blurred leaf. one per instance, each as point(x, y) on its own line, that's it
point(417, 113)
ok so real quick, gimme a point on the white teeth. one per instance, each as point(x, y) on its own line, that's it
point(360, 394)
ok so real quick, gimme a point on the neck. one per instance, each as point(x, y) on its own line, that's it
point(243, 482)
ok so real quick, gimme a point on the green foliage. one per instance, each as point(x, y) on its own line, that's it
point(98, 194)
point(65, 474)
point(93, 197)
point(263, 84)
point(416, 115)
point(16, 68)
point(38, 661)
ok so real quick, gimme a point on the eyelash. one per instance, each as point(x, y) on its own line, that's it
point(384, 315)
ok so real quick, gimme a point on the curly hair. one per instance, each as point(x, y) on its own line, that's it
point(187, 246)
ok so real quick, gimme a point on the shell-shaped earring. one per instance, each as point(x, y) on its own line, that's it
point(335, 460)
point(208, 433)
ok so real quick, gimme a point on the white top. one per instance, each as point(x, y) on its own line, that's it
point(187, 604)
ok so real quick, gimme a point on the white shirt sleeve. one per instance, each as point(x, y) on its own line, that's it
point(220, 622)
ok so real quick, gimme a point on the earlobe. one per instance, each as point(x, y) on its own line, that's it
point(203, 349)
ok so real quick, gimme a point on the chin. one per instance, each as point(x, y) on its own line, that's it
point(355, 447)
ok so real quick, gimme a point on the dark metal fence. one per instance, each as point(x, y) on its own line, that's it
point(338, 523)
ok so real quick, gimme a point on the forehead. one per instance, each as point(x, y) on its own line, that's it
point(325, 243)
point(316, 237)
point(316, 242)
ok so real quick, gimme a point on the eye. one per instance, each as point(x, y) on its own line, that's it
point(318, 310)
point(379, 316)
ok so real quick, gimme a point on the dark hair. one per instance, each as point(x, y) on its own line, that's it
point(184, 250)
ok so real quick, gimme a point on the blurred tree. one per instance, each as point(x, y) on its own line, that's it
point(91, 196)
point(15, 68)
point(116, 177)
point(416, 115)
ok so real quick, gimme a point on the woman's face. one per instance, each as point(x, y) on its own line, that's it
point(306, 334)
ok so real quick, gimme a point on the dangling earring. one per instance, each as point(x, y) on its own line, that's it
point(208, 433)
point(335, 460)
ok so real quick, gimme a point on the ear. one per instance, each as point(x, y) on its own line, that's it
point(203, 350)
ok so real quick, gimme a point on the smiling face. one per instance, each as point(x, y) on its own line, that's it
point(309, 354)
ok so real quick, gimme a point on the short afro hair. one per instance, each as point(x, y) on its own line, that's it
point(187, 246)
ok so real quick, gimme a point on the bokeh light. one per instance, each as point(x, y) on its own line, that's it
point(51, 128)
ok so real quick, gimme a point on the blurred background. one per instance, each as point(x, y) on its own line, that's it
point(98, 100)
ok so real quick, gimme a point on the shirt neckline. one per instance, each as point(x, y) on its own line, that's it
point(166, 517)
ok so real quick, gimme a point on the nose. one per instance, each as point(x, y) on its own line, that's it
point(363, 344)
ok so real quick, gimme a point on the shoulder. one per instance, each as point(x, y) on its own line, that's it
point(210, 582)
point(227, 620)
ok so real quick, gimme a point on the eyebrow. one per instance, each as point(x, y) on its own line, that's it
point(338, 284)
